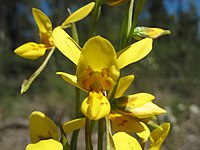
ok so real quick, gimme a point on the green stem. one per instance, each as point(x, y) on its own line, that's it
point(139, 6)
point(27, 82)
point(100, 133)
point(95, 17)
point(77, 113)
point(74, 138)
point(88, 140)
point(127, 23)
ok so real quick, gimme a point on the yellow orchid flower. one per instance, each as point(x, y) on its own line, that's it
point(46, 134)
point(124, 141)
point(115, 2)
point(98, 67)
point(130, 113)
point(32, 50)
point(143, 32)
point(158, 136)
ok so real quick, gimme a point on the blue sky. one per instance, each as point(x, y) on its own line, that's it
point(172, 5)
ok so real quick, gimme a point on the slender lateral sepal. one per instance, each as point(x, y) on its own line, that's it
point(27, 82)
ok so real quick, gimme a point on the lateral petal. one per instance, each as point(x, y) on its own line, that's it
point(72, 79)
point(73, 125)
point(78, 14)
point(123, 85)
point(134, 52)
point(66, 45)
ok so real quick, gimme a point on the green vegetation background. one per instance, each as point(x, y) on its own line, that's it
point(171, 72)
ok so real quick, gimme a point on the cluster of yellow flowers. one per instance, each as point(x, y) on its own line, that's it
point(98, 68)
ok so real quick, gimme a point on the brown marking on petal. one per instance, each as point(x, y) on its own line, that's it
point(45, 138)
point(103, 103)
point(124, 121)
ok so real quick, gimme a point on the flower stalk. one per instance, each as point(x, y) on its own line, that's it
point(88, 140)
point(95, 17)
point(100, 133)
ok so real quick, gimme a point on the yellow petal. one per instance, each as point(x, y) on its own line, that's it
point(158, 136)
point(147, 110)
point(45, 145)
point(44, 25)
point(125, 123)
point(123, 85)
point(73, 125)
point(124, 141)
point(31, 50)
point(97, 54)
point(132, 101)
point(42, 127)
point(72, 79)
point(42, 20)
point(78, 14)
point(134, 52)
point(95, 106)
point(66, 45)
point(144, 135)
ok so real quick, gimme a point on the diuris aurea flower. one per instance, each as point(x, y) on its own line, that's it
point(131, 113)
point(158, 136)
point(45, 134)
point(98, 67)
point(33, 50)
point(143, 32)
